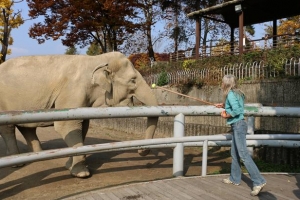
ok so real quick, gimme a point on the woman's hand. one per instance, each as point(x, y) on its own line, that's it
point(224, 114)
point(219, 105)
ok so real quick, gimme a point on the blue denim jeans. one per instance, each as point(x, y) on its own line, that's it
point(239, 153)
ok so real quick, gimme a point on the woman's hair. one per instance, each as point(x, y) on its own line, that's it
point(229, 83)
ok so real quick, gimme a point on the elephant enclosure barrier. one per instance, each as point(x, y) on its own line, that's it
point(178, 142)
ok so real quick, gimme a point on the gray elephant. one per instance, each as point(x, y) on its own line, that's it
point(65, 81)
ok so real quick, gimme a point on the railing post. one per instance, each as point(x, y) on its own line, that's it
point(204, 157)
point(250, 131)
point(178, 152)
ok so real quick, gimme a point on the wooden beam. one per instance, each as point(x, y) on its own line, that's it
point(202, 11)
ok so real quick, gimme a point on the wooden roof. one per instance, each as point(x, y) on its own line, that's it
point(255, 11)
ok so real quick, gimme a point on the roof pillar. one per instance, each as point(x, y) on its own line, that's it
point(241, 32)
point(198, 35)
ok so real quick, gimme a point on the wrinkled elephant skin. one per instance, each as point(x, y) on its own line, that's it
point(69, 81)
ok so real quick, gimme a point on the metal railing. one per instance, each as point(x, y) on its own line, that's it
point(214, 48)
point(178, 141)
point(255, 70)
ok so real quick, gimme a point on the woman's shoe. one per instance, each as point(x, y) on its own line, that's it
point(228, 181)
point(256, 189)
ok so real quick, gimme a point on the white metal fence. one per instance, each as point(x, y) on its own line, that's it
point(178, 141)
point(255, 70)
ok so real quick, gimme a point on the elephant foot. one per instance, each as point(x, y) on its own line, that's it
point(143, 152)
point(18, 165)
point(69, 163)
point(80, 170)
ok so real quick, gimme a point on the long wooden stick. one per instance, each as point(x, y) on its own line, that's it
point(197, 99)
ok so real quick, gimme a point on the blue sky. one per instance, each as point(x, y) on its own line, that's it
point(24, 45)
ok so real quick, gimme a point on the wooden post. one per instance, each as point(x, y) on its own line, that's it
point(198, 36)
point(274, 33)
point(241, 32)
point(232, 40)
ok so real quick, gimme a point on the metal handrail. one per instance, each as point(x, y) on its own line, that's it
point(178, 141)
point(283, 140)
point(218, 48)
point(29, 116)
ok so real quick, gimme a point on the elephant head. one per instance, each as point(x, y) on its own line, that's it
point(121, 83)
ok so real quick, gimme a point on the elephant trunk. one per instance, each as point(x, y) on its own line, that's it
point(144, 94)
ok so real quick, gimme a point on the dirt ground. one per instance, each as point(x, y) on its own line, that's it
point(50, 180)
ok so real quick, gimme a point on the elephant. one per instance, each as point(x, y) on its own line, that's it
point(69, 81)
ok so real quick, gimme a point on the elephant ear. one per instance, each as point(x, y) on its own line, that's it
point(102, 76)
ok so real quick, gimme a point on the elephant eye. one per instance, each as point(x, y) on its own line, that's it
point(133, 80)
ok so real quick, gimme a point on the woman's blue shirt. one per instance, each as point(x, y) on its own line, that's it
point(234, 105)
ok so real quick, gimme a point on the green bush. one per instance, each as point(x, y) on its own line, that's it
point(163, 79)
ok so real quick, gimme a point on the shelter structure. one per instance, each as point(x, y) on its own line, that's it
point(240, 13)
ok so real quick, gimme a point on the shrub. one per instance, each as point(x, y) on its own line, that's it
point(188, 64)
point(163, 79)
point(185, 86)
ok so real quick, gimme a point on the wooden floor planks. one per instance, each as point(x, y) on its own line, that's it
point(279, 186)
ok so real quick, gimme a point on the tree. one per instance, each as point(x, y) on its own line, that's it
point(289, 25)
point(94, 49)
point(71, 51)
point(181, 35)
point(182, 29)
point(151, 14)
point(135, 43)
point(210, 29)
point(286, 26)
point(8, 21)
point(105, 22)
point(177, 32)
point(141, 61)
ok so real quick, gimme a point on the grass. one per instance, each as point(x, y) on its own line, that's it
point(263, 166)
point(271, 167)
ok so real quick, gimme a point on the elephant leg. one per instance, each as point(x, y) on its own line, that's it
point(31, 138)
point(85, 127)
point(71, 132)
point(151, 127)
point(8, 134)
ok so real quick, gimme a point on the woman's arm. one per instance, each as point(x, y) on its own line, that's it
point(220, 105)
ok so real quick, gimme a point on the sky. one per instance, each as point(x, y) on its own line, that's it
point(24, 45)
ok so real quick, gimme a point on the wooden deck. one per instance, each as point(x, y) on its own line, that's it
point(279, 186)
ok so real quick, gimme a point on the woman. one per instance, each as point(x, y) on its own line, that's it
point(234, 114)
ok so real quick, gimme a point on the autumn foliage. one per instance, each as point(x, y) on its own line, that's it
point(9, 19)
point(142, 62)
point(83, 22)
